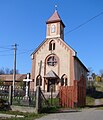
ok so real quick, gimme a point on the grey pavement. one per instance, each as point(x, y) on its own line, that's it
point(9, 116)
point(85, 114)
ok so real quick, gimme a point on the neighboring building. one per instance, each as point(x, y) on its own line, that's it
point(54, 62)
point(90, 78)
point(8, 79)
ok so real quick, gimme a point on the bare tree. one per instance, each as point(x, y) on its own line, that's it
point(101, 72)
point(7, 71)
point(2, 71)
point(90, 71)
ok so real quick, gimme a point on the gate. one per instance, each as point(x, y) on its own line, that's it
point(73, 96)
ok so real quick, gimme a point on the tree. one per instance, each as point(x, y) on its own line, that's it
point(2, 71)
point(101, 72)
point(90, 71)
point(11, 71)
point(93, 75)
point(1, 82)
point(7, 71)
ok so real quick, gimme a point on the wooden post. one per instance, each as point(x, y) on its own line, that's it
point(38, 99)
point(10, 94)
point(51, 95)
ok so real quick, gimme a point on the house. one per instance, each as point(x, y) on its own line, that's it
point(54, 62)
point(8, 78)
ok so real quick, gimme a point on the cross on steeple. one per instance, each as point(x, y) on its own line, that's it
point(56, 7)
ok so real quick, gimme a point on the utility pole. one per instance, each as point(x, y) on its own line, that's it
point(14, 70)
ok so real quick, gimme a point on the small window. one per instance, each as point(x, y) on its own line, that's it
point(52, 45)
point(39, 80)
point(64, 80)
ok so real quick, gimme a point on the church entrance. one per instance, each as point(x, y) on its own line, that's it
point(51, 85)
point(52, 80)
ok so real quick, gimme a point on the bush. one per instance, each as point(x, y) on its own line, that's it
point(4, 105)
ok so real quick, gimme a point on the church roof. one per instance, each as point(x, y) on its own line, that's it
point(51, 74)
point(55, 18)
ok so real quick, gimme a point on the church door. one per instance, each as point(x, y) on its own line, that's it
point(51, 85)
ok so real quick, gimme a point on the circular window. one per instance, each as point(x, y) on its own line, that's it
point(52, 60)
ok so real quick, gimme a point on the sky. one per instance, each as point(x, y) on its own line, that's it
point(24, 22)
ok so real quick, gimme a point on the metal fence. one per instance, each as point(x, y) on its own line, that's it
point(34, 99)
point(4, 92)
point(19, 96)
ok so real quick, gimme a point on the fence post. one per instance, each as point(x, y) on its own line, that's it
point(38, 99)
point(10, 94)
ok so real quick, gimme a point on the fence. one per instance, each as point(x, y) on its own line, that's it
point(66, 96)
point(73, 96)
point(4, 92)
point(19, 97)
point(35, 99)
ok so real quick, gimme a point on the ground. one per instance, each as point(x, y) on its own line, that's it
point(85, 114)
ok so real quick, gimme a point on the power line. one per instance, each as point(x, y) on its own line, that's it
point(79, 26)
point(5, 47)
point(23, 52)
point(7, 55)
point(6, 50)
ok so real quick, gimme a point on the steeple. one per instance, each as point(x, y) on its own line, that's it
point(55, 18)
point(55, 26)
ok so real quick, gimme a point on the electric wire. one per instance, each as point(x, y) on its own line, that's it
point(79, 26)
point(26, 51)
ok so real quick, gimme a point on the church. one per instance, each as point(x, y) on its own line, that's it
point(54, 62)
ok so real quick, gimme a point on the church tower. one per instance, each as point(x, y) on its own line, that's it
point(55, 26)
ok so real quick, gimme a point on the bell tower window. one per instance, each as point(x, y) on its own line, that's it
point(52, 45)
point(53, 28)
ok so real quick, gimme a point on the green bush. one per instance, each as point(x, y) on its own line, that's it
point(3, 105)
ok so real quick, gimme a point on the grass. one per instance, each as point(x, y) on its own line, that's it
point(54, 102)
point(51, 109)
point(99, 108)
point(27, 116)
point(90, 100)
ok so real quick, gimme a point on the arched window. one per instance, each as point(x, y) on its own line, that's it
point(39, 80)
point(53, 28)
point(64, 80)
point(52, 45)
point(52, 60)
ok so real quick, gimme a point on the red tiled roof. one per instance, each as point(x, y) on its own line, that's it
point(54, 17)
point(19, 77)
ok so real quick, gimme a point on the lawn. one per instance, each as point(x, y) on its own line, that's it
point(27, 116)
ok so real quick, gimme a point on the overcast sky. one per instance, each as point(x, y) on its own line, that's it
point(24, 22)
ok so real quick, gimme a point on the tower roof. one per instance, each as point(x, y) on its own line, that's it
point(55, 18)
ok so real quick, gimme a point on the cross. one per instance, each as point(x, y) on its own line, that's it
point(27, 85)
point(56, 7)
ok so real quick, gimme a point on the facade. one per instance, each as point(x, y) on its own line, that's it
point(54, 62)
